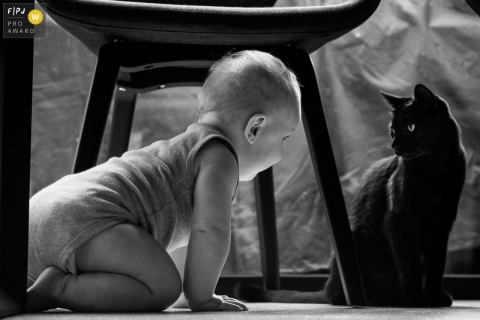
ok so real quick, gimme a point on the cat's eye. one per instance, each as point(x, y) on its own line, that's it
point(392, 133)
point(411, 127)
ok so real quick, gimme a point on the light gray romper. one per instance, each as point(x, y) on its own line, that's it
point(151, 187)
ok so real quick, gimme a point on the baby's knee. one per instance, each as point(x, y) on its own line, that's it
point(174, 292)
point(168, 292)
point(172, 296)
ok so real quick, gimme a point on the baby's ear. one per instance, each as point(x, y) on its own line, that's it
point(254, 126)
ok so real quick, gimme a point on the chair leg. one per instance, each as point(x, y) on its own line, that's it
point(16, 66)
point(98, 105)
point(327, 176)
point(123, 110)
point(267, 228)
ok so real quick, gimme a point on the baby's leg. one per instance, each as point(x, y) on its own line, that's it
point(121, 269)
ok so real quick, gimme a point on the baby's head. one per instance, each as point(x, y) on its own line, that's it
point(247, 82)
point(255, 100)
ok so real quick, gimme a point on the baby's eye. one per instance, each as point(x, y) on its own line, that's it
point(411, 127)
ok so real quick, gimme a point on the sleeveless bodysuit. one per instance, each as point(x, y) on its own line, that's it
point(151, 187)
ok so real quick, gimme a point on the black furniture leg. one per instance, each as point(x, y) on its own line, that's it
point(123, 110)
point(98, 105)
point(267, 228)
point(323, 160)
point(16, 73)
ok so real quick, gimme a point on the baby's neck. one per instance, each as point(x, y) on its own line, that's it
point(232, 130)
point(212, 119)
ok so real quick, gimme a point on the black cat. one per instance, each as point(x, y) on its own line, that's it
point(402, 212)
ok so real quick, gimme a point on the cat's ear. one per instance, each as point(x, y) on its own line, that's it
point(394, 101)
point(424, 96)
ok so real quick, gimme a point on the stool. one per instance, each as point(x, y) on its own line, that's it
point(143, 45)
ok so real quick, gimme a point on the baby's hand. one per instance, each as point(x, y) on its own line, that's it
point(220, 303)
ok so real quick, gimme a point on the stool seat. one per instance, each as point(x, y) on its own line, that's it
point(102, 21)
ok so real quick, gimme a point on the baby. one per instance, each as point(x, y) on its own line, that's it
point(152, 228)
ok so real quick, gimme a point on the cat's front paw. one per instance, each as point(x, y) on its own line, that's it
point(440, 299)
point(416, 301)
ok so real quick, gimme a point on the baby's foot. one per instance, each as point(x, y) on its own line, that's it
point(41, 296)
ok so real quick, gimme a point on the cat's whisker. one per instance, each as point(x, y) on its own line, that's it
point(432, 161)
point(379, 108)
point(383, 111)
point(374, 150)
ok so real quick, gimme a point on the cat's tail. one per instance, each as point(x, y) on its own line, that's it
point(251, 293)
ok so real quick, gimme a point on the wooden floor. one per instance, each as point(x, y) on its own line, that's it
point(278, 311)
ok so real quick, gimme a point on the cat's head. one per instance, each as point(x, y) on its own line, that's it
point(416, 121)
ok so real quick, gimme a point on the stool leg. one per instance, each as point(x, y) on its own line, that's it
point(267, 228)
point(16, 67)
point(123, 110)
point(327, 176)
point(98, 105)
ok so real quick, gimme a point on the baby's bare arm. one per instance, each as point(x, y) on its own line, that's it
point(210, 234)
